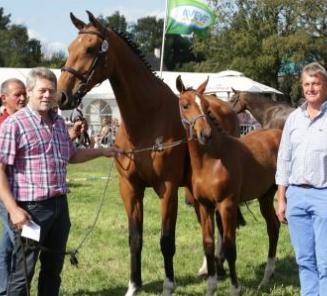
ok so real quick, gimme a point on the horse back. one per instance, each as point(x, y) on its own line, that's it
point(260, 149)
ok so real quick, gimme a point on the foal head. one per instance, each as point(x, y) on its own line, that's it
point(87, 62)
point(238, 101)
point(193, 109)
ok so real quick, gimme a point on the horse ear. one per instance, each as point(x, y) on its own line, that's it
point(77, 22)
point(94, 21)
point(234, 91)
point(203, 86)
point(179, 84)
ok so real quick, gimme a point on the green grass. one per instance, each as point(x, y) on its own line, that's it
point(104, 257)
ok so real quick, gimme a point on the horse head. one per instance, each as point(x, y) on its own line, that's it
point(193, 108)
point(87, 63)
point(237, 101)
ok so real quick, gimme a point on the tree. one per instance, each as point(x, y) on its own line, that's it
point(147, 33)
point(115, 21)
point(16, 49)
point(263, 37)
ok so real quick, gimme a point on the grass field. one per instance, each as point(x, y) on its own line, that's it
point(104, 258)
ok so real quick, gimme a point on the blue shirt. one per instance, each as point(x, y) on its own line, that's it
point(302, 155)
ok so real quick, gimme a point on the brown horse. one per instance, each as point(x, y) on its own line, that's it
point(268, 113)
point(150, 118)
point(225, 171)
point(220, 112)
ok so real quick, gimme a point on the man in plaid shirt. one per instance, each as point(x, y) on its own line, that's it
point(34, 151)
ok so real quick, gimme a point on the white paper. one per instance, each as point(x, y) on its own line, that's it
point(31, 231)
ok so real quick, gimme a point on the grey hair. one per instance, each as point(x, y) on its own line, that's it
point(40, 73)
point(314, 69)
point(4, 89)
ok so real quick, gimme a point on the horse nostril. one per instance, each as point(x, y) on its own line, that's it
point(63, 100)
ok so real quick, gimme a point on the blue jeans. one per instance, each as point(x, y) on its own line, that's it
point(53, 217)
point(307, 220)
point(6, 248)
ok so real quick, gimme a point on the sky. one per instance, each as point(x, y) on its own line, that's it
point(49, 21)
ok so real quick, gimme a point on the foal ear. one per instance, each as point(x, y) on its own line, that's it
point(77, 22)
point(203, 86)
point(179, 84)
point(94, 21)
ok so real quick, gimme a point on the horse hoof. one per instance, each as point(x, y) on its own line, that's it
point(212, 285)
point(269, 272)
point(168, 287)
point(132, 289)
point(235, 291)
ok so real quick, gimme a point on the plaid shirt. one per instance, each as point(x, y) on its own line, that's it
point(35, 154)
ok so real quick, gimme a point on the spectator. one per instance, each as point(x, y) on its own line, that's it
point(13, 98)
point(34, 151)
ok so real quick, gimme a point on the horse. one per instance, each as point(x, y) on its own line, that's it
point(268, 113)
point(151, 132)
point(226, 171)
point(220, 112)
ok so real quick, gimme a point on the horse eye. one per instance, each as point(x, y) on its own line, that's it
point(90, 50)
point(185, 106)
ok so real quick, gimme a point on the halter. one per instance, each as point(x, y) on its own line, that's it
point(190, 123)
point(86, 77)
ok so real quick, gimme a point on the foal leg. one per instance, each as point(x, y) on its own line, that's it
point(228, 212)
point(220, 257)
point(133, 202)
point(273, 224)
point(208, 231)
point(168, 208)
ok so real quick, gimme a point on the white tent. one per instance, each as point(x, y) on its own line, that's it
point(101, 98)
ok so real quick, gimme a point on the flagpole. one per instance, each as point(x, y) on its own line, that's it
point(163, 39)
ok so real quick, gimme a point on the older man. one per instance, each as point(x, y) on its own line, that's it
point(13, 98)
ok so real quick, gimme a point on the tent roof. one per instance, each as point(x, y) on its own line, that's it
point(224, 81)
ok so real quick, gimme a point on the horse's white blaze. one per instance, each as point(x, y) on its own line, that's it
point(132, 289)
point(269, 271)
point(168, 287)
point(212, 285)
point(198, 102)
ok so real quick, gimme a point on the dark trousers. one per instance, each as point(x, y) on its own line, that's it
point(53, 217)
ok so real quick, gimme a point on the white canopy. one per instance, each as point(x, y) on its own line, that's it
point(221, 83)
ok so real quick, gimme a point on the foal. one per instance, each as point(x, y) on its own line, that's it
point(268, 113)
point(225, 171)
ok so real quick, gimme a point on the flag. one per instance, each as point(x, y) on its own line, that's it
point(187, 16)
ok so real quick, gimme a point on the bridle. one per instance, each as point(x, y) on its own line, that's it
point(190, 123)
point(86, 77)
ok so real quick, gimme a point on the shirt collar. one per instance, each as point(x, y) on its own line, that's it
point(323, 108)
point(53, 115)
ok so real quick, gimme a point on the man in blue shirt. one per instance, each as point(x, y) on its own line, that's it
point(302, 181)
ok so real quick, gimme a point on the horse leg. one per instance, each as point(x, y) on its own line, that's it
point(228, 212)
point(273, 224)
point(133, 202)
point(168, 208)
point(220, 257)
point(208, 232)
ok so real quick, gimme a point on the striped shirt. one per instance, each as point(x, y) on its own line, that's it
point(302, 156)
point(36, 155)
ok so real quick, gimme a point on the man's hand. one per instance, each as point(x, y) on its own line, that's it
point(19, 217)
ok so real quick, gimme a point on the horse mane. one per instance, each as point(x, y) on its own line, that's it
point(135, 48)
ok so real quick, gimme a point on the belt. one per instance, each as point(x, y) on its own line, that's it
point(307, 186)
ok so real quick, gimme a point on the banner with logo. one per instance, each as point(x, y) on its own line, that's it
point(188, 16)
